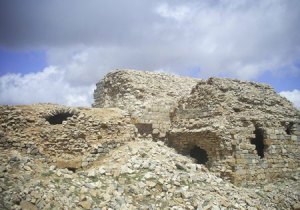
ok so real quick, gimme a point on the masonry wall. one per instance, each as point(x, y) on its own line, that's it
point(233, 111)
point(220, 116)
point(235, 157)
point(184, 142)
point(149, 97)
point(84, 136)
point(281, 156)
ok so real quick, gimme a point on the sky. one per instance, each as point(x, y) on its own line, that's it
point(56, 51)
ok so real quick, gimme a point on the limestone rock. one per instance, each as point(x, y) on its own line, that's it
point(213, 135)
point(86, 204)
point(25, 205)
point(296, 206)
point(71, 164)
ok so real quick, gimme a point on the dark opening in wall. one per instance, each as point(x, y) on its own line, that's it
point(144, 128)
point(199, 154)
point(258, 141)
point(289, 128)
point(58, 118)
point(72, 169)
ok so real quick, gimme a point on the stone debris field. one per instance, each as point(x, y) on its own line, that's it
point(154, 141)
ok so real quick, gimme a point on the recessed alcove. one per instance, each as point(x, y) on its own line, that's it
point(258, 141)
point(199, 154)
point(288, 129)
point(144, 128)
point(58, 116)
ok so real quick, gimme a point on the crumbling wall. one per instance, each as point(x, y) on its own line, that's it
point(247, 131)
point(220, 116)
point(147, 96)
point(86, 135)
point(235, 111)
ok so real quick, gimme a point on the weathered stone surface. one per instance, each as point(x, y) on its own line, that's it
point(88, 133)
point(25, 205)
point(296, 206)
point(57, 157)
point(86, 204)
point(152, 179)
point(246, 128)
point(147, 96)
point(70, 164)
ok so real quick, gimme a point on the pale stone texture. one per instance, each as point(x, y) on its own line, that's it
point(223, 116)
point(58, 157)
point(147, 96)
point(77, 141)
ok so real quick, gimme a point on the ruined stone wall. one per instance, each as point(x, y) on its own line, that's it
point(221, 116)
point(249, 132)
point(235, 111)
point(147, 96)
point(84, 136)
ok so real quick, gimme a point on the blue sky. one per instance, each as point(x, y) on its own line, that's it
point(22, 62)
point(56, 51)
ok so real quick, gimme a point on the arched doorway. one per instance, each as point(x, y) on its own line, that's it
point(199, 154)
point(258, 141)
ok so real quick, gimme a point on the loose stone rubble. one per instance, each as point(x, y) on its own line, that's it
point(138, 175)
point(81, 138)
point(120, 156)
point(243, 130)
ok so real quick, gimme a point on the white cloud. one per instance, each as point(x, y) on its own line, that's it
point(242, 39)
point(46, 86)
point(293, 96)
point(177, 13)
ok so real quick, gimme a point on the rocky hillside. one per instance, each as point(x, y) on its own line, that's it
point(119, 155)
point(138, 175)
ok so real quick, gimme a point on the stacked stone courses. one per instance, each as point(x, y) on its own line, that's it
point(88, 133)
point(236, 113)
point(147, 96)
point(248, 131)
point(154, 141)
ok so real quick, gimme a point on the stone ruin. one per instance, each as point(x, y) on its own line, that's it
point(247, 130)
point(72, 137)
point(243, 130)
point(115, 155)
point(148, 97)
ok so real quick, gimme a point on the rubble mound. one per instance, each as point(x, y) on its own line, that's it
point(70, 136)
point(138, 175)
point(154, 141)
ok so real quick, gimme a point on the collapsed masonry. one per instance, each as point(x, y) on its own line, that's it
point(72, 137)
point(147, 96)
point(248, 131)
point(243, 130)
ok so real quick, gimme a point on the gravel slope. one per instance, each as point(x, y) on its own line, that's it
point(138, 175)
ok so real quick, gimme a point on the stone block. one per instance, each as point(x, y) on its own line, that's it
point(25, 205)
point(69, 164)
point(294, 138)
